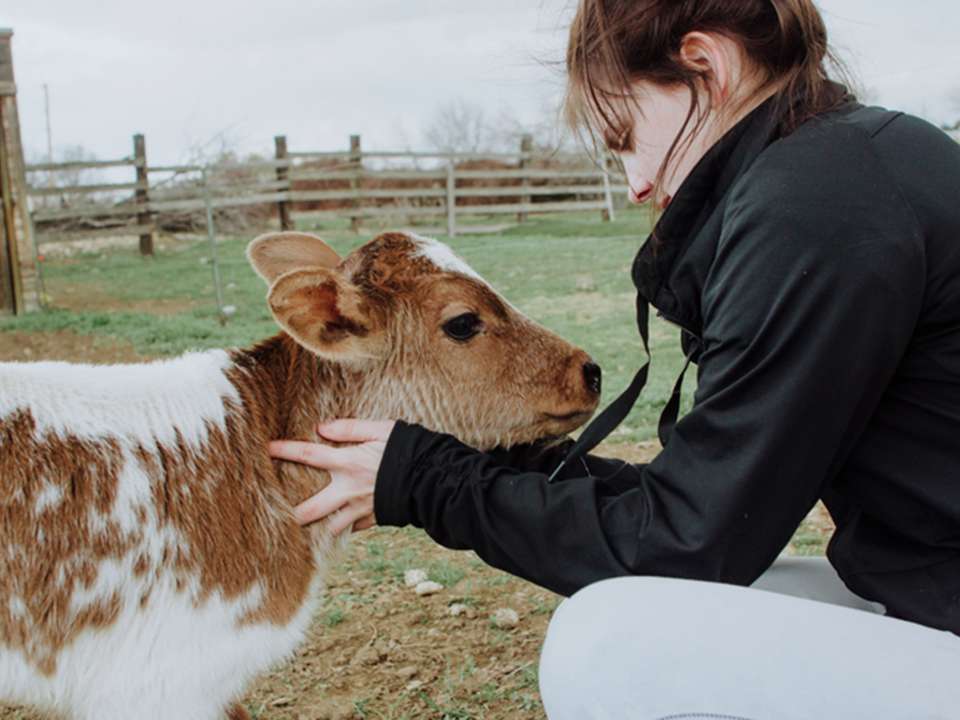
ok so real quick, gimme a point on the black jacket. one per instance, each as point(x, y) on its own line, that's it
point(817, 277)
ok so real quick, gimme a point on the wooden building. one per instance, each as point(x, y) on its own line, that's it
point(19, 282)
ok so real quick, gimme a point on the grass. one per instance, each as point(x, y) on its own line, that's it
point(809, 542)
point(381, 563)
point(446, 573)
point(333, 617)
point(571, 273)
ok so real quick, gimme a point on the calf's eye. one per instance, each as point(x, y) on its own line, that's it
point(463, 327)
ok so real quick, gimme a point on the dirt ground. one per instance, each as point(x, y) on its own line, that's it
point(376, 649)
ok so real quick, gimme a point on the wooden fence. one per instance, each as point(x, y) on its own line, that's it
point(452, 188)
point(19, 279)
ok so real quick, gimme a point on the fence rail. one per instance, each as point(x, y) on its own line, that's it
point(83, 165)
point(344, 184)
point(84, 189)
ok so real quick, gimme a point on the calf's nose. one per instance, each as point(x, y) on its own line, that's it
point(591, 376)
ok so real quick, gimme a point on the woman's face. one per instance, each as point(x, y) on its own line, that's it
point(658, 115)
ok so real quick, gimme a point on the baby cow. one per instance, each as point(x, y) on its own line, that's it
point(150, 563)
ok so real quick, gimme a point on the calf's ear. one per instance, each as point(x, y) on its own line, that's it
point(329, 315)
point(276, 254)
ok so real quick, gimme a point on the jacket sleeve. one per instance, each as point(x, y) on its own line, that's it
point(545, 457)
point(808, 308)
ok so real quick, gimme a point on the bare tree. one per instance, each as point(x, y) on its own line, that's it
point(549, 132)
point(459, 126)
point(219, 148)
point(65, 178)
point(226, 172)
point(74, 177)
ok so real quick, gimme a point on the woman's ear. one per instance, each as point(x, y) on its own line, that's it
point(710, 55)
point(329, 315)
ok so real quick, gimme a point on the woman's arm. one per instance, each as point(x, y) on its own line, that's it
point(347, 502)
point(550, 533)
point(806, 322)
point(545, 457)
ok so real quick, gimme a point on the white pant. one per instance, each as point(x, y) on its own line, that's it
point(659, 649)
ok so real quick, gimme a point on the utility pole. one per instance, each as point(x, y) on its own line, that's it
point(46, 109)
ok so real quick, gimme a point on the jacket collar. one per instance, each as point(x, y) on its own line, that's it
point(693, 206)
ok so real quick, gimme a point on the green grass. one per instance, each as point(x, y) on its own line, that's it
point(333, 617)
point(381, 563)
point(569, 272)
point(808, 541)
point(446, 573)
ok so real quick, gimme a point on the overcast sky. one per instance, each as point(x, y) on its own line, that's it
point(184, 72)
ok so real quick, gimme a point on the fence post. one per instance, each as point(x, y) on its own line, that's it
point(9, 274)
point(142, 196)
point(19, 274)
point(451, 198)
point(608, 213)
point(526, 147)
point(222, 314)
point(283, 175)
point(356, 164)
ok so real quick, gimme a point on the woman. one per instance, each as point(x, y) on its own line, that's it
point(810, 250)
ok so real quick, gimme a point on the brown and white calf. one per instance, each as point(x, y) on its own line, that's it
point(150, 564)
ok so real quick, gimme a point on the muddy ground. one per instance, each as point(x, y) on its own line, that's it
point(378, 650)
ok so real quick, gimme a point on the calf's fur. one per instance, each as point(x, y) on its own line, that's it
point(150, 564)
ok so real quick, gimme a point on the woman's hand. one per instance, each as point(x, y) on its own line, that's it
point(348, 499)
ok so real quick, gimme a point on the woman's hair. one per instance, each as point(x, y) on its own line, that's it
point(616, 42)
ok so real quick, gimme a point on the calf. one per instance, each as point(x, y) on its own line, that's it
point(150, 563)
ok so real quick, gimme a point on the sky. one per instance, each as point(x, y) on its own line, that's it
point(197, 75)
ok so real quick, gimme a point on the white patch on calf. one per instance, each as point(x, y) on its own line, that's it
point(445, 259)
point(96, 522)
point(49, 496)
point(249, 601)
point(111, 576)
point(17, 607)
point(193, 649)
point(143, 404)
point(442, 256)
point(133, 491)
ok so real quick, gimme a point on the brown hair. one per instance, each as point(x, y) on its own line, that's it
point(616, 42)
